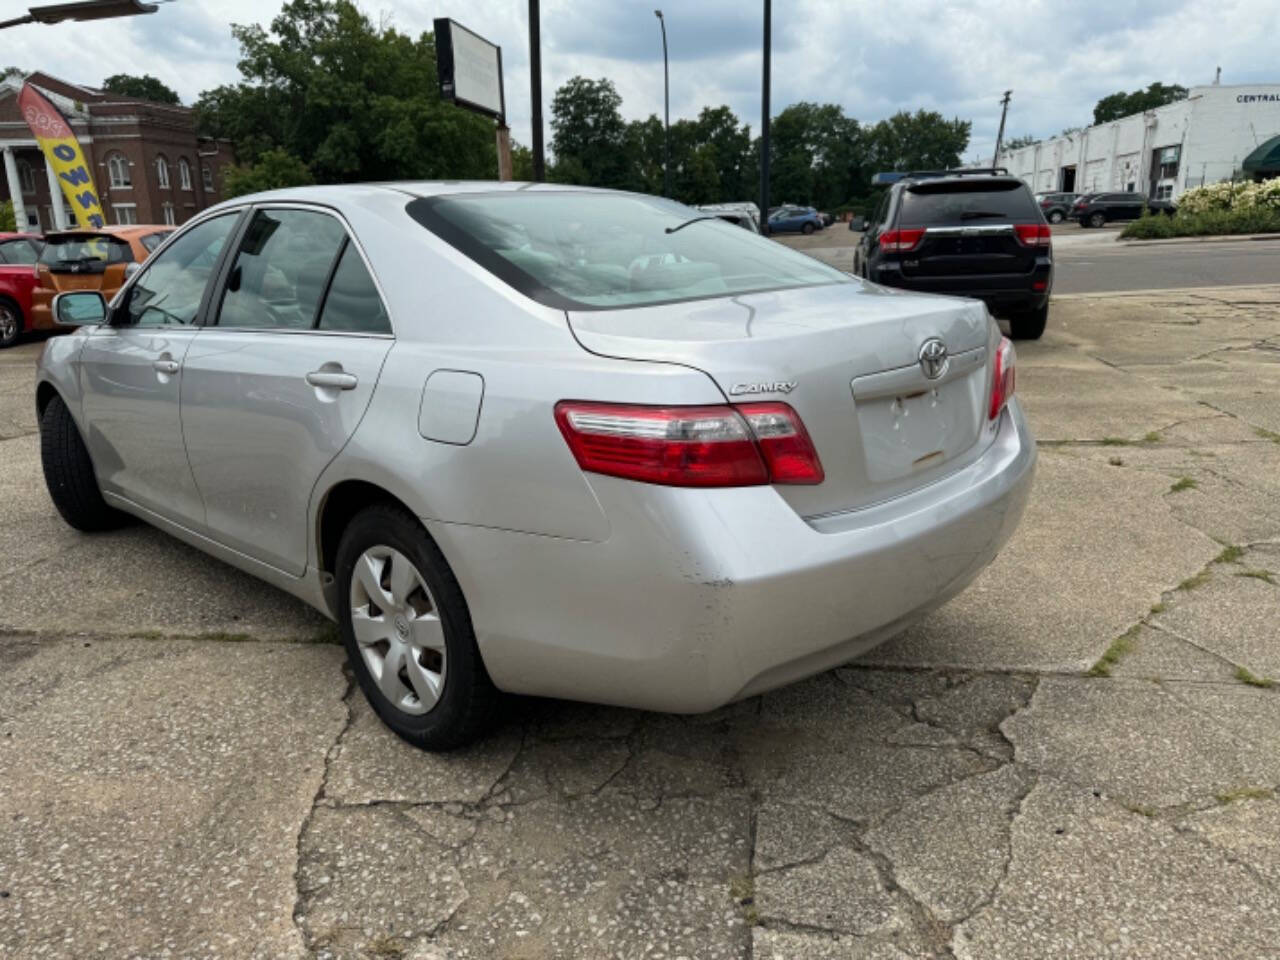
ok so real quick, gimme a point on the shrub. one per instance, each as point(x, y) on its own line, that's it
point(1242, 219)
point(1241, 194)
point(7, 222)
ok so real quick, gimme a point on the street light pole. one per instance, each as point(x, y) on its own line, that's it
point(764, 123)
point(84, 10)
point(666, 111)
point(535, 91)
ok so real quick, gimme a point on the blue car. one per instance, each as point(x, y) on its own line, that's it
point(795, 220)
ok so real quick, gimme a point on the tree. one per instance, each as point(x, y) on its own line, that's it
point(918, 141)
point(588, 134)
point(274, 169)
point(1123, 104)
point(351, 100)
point(1017, 143)
point(145, 87)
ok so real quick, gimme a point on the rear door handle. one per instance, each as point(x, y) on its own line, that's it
point(166, 366)
point(334, 379)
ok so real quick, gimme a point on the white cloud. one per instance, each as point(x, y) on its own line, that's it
point(1057, 57)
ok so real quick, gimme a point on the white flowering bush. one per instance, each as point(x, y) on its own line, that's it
point(1241, 195)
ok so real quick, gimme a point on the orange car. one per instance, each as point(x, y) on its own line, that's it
point(90, 260)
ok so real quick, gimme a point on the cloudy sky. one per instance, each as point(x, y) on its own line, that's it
point(872, 58)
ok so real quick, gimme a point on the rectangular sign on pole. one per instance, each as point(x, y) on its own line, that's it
point(63, 153)
point(470, 69)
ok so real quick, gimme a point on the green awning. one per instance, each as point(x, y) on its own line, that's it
point(1265, 161)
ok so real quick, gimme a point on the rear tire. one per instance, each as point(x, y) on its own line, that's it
point(10, 323)
point(1097, 219)
point(68, 473)
point(807, 229)
point(1029, 325)
point(466, 702)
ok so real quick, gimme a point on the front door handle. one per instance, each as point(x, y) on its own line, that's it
point(166, 366)
point(333, 379)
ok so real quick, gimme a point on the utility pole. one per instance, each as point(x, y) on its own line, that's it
point(1004, 110)
point(666, 111)
point(535, 91)
point(764, 124)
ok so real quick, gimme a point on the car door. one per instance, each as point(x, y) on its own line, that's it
point(131, 376)
point(279, 377)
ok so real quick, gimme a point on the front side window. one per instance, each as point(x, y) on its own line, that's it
point(184, 173)
point(589, 251)
point(281, 270)
point(170, 289)
point(118, 171)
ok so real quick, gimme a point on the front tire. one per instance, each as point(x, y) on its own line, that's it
point(68, 473)
point(1056, 216)
point(10, 323)
point(1029, 325)
point(1097, 219)
point(408, 632)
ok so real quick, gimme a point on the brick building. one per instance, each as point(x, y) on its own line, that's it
point(148, 164)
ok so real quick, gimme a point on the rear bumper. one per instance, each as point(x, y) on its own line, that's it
point(698, 598)
point(1000, 292)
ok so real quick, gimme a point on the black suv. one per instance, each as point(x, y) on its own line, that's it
point(1098, 209)
point(970, 233)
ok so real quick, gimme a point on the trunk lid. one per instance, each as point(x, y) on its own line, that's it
point(846, 356)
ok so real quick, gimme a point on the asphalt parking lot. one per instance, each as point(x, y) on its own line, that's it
point(1075, 758)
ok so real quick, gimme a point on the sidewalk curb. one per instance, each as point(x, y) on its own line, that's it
point(1216, 238)
point(1166, 291)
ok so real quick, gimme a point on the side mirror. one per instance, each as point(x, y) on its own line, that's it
point(858, 224)
point(79, 308)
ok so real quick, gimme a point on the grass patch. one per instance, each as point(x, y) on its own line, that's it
point(1158, 608)
point(1191, 583)
point(1183, 483)
point(742, 887)
point(1266, 576)
point(1245, 793)
point(1152, 437)
point(222, 636)
point(1266, 434)
point(1115, 442)
point(1229, 554)
point(1245, 675)
point(386, 948)
point(1120, 646)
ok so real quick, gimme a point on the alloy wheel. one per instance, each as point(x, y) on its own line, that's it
point(398, 629)
point(8, 324)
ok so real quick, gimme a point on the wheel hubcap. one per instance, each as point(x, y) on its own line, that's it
point(398, 630)
point(8, 324)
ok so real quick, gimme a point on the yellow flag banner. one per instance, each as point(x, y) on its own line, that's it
point(62, 150)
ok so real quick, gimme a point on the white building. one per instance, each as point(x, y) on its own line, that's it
point(1161, 152)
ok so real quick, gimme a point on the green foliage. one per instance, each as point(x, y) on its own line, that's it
point(352, 100)
point(274, 169)
point(1123, 104)
point(1017, 143)
point(1241, 220)
point(145, 87)
point(588, 134)
point(8, 223)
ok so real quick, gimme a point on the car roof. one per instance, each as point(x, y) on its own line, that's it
point(127, 232)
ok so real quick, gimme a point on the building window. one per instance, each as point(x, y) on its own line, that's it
point(26, 177)
point(207, 174)
point(168, 213)
point(162, 172)
point(184, 173)
point(126, 213)
point(118, 172)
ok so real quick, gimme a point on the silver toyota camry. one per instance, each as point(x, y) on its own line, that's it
point(539, 439)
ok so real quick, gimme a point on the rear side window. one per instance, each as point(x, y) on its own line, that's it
point(153, 240)
point(352, 303)
point(948, 203)
point(19, 251)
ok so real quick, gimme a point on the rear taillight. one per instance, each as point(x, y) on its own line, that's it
point(1033, 234)
point(900, 241)
point(719, 446)
point(1002, 380)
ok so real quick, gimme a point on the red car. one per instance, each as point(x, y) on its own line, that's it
point(19, 253)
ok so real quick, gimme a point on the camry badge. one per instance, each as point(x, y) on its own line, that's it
point(777, 386)
point(933, 358)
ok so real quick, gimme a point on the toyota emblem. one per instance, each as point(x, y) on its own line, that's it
point(933, 358)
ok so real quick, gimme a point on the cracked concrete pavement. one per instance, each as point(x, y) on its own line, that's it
point(1074, 758)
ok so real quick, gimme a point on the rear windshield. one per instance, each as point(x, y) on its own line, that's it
point(595, 251)
point(975, 201)
point(88, 254)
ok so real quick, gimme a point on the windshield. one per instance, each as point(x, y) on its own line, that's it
point(949, 203)
point(584, 251)
point(91, 250)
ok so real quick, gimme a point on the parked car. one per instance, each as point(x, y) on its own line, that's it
point(90, 259)
point(972, 233)
point(1056, 207)
point(795, 220)
point(18, 255)
point(506, 449)
point(1099, 209)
